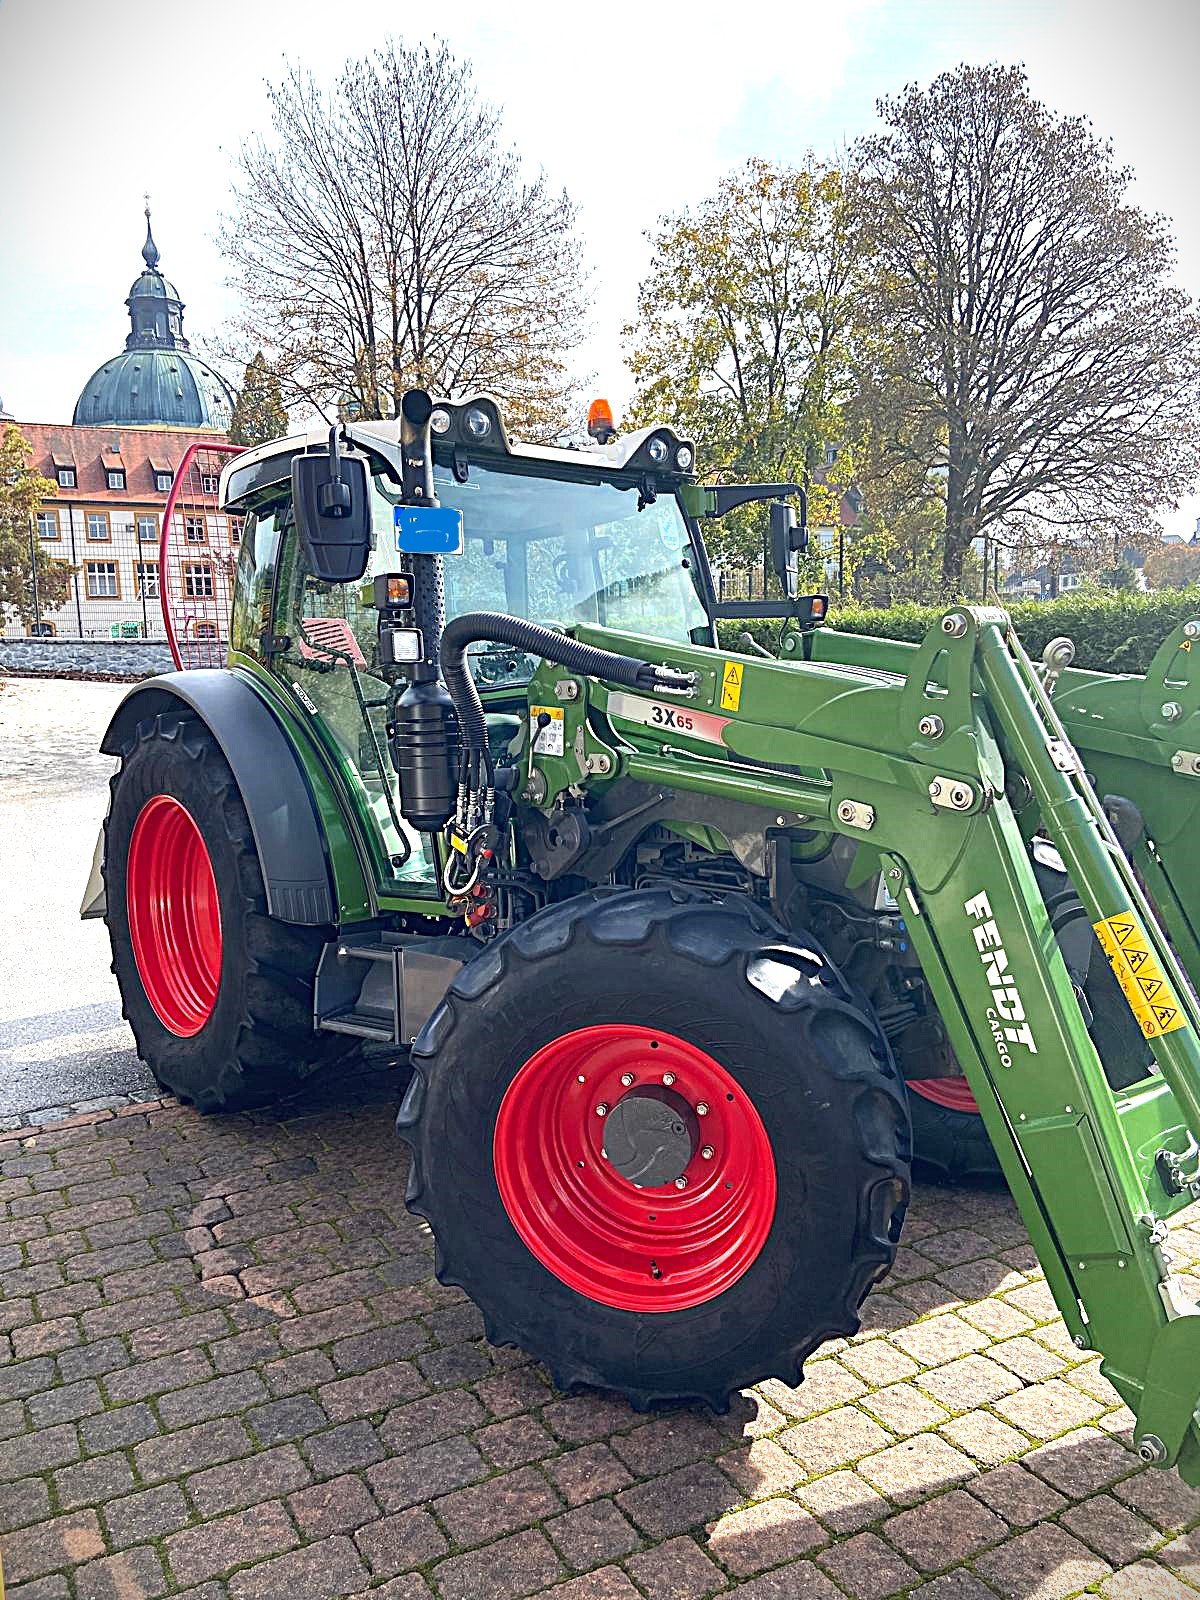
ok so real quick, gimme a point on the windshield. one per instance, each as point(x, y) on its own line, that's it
point(567, 551)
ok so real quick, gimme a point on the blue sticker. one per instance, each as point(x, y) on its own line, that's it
point(429, 530)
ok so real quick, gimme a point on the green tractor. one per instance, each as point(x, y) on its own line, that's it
point(666, 930)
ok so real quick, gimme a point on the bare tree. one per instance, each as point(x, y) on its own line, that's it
point(1023, 320)
point(382, 237)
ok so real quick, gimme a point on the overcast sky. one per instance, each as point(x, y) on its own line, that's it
point(635, 108)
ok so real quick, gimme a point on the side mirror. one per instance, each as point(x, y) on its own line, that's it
point(331, 498)
point(788, 537)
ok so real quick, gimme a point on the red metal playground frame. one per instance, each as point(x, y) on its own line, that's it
point(195, 567)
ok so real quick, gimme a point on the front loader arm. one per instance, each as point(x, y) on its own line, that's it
point(917, 754)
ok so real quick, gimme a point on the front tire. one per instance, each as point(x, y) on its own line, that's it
point(219, 994)
point(661, 1004)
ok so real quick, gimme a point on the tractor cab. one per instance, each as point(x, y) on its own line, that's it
point(605, 534)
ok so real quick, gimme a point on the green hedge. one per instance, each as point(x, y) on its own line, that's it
point(1112, 632)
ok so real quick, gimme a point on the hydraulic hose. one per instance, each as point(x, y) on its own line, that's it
point(476, 626)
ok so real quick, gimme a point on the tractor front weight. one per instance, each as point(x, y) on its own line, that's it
point(923, 766)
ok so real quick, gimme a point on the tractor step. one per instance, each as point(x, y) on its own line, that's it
point(382, 985)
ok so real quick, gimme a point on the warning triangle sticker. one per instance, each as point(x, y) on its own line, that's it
point(733, 672)
point(1150, 986)
point(1166, 1015)
point(1123, 930)
point(1136, 958)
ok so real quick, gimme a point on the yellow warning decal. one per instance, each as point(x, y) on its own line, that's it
point(731, 685)
point(1143, 982)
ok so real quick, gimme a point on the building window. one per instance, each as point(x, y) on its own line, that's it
point(210, 482)
point(197, 580)
point(147, 527)
point(147, 580)
point(47, 525)
point(97, 525)
point(102, 580)
point(116, 478)
point(162, 482)
point(235, 530)
point(193, 530)
point(66, 477)
point(205, 630)
point(41, 630)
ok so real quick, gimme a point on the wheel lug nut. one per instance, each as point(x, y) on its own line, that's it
point(627, 1078)
point(681, 1183)
point(702, 1108)
point(668, 1078)
point(602, 1109)
point(708, 1152)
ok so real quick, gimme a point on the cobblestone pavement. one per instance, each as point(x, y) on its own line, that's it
point(226, 1370)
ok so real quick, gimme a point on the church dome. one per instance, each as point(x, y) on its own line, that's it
point(156, 381)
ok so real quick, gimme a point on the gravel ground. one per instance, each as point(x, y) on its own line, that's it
point(62, 1041)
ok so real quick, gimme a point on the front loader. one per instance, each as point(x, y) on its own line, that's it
point(664, 929)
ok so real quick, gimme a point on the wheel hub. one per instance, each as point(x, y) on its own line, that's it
point(174, 915)
point(650, 1136)
point(634, 1167)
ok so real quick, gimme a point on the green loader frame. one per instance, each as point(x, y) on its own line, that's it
point(909, 747)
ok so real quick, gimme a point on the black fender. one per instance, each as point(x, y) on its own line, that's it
point(274, 788)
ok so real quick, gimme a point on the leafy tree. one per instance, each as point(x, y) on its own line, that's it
point(1173, 566)
point(1048, 369)
point(22, 492)
point(741, 334)
point(1122, 576)
point(260, 413)
point(383, 237)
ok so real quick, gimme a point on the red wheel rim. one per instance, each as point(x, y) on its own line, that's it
point(952, 1094)
point(174, 915)
point(660, 1248)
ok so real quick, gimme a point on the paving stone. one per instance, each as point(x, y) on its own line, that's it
point(1048, 1409)
point(241, 1483)
point(667, 1442)
point(970, 1381)
point(425, 1421)
point(866, 1568)
point(115, 1429)
point(673, 1568)
point(367, 1392)
point(67, 1403)
point(129, 1575)
point(457, 1363)
point(515, 1441)
point(762, 1467)
point(164, 1373)
point(984, 1437)
point(337, 1506)
point(294, 1374)
point(1162, 1498)
point(325, 1571)
point(1183, 1556)
point(843, 1501)
point(826, 1384)
point(764, 1535)
point(282, 1420)
point(60, 1542)
point(252, 1535)
point(606, 1583)
point(587, 1473)
point(878, 1362)
point(835, 1439)
point(938, 1340)
point(173, 1455)
point(917, 1468)
point(1079, 1463)
point(92, 1360)
point(411, 1587)
point(945, 1531)
point(342, 1449)
point(687, 1498)
point(1111, 1529)
point(1146, 1581)
point(1044, 1564)
point(511, 1500)
point(38, 1452)
point(425, 1473)
point(149, 1514)
point(221, 1397)
point(510, 1393)
point(582, 1418)
point(55, 1588)
point(1028, 1358)
point(24, 1502)
point(515, 1566)
point(801, 1581)
point(92, 1482)
point(960, 1585)
point(1017, 1495)
point(903, 1409)
point(398, 1543)
point(592, 1535)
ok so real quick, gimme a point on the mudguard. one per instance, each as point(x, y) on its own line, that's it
point(273, 785)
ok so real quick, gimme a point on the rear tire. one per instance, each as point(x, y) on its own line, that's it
point(230, 1023)
point(950, 1145)
point(591, 989)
